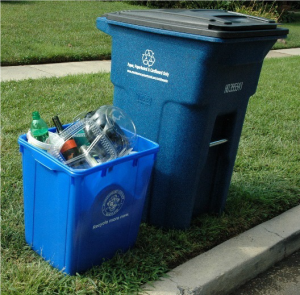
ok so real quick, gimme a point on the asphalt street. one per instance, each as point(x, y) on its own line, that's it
point(282, 279)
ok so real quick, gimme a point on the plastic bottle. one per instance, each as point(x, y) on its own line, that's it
point(69, 150)
point(39, 128)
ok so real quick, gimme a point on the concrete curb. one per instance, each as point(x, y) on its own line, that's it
point(234, 262)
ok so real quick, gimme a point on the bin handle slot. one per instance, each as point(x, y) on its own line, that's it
point(218, 142)
point(47, 163)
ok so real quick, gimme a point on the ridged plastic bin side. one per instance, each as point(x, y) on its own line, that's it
point(76, 218)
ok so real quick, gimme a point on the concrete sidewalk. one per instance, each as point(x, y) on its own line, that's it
point(86, 67)
point(54, 70)
point(281, 279)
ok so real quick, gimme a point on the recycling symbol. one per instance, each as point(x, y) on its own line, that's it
point(113, 203)
point(148, 58)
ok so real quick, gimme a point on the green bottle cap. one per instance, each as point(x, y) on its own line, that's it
point(36, 115)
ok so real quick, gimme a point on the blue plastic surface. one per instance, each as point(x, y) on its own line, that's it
point(185, 91)
point(76, 218)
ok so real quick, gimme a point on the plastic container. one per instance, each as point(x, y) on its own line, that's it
point(77, 218)
point(100, 145)
point(185, 78)
point(117, 126)
point(42, 145)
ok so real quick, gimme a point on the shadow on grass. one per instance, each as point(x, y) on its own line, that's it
point(16, 2)
point(55, 59)
point(248, 205)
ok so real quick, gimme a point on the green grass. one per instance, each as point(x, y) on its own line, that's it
point(54, 31)
point(293, 38)
point(265, 182)
point(47, 31)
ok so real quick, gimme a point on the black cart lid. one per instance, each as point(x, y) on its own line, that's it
point(207, 22)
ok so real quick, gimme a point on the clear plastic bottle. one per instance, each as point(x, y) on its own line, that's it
point(39, 128)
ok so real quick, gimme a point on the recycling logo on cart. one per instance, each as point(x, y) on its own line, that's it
point(148, 58)
point(113, 203)
point(146, 70)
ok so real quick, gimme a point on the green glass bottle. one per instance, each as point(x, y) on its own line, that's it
point(39, 128)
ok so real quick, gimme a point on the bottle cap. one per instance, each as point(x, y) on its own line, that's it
point(36, 115)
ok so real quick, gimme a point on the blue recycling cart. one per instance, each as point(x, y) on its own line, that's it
point(185, 77)
point(77, 218)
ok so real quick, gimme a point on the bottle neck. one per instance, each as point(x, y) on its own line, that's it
point(57, 124)
point(36, 116)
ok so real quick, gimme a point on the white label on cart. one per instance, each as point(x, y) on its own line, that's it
point(146, 69)
point(233, 87)
point(113, 203)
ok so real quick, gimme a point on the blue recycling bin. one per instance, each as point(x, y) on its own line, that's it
point(76, 218)
point(185, 77)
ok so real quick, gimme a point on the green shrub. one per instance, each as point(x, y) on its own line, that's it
point(251, 7)
point(225, 5)
point(260, 9)
point(287, 17)
point(295, 5)
point(268, 10)
point(211, 4)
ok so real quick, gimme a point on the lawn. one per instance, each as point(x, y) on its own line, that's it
point(265, 182)
point(293, 38)
point(54, 31)
point(57, 31)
